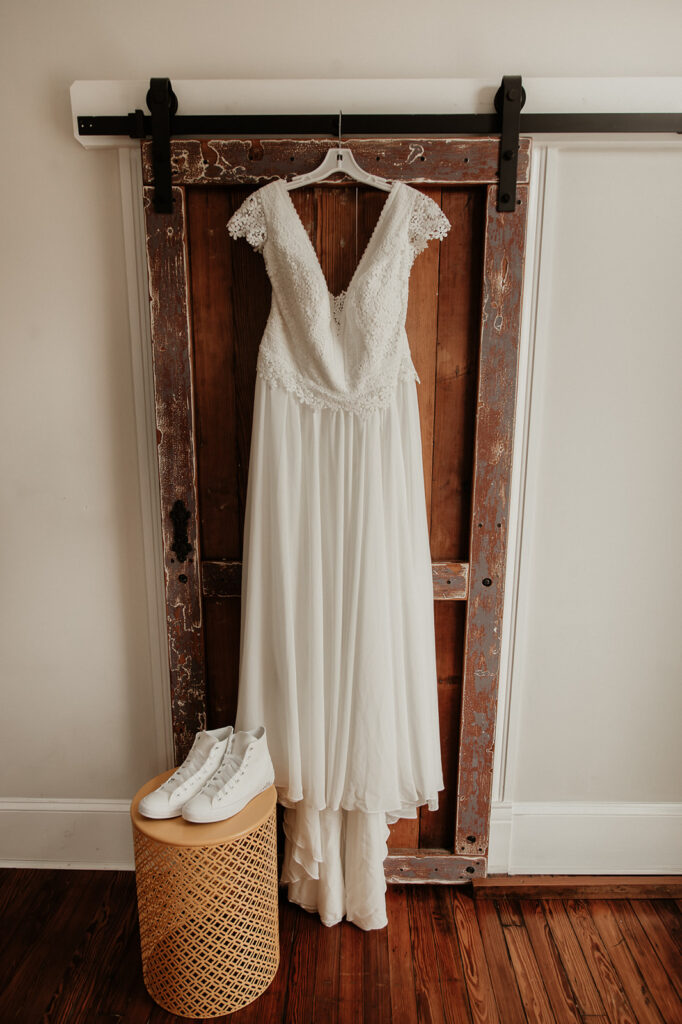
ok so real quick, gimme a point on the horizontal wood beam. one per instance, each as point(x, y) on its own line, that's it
point(420, 160)
point(432, 866)
point(224, 579)
point(450, 581)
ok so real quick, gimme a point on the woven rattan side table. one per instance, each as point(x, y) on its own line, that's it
point(207, 905)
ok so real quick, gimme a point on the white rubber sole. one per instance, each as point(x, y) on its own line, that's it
point(161, 817)
point(222, 813)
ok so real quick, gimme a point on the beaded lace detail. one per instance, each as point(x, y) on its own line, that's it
point(347, 351)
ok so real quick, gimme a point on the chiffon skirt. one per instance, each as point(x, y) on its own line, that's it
point(337, 648)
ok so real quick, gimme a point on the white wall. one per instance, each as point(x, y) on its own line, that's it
point(80, 728)
point(601, 658)
point(593, 775)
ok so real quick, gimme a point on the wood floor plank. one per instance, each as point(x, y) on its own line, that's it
point(37, 895)
point(73, 897)
point(479, 985)
point(104, 940)
point(426, 979)
point(350, 974)
point(574, 964)
point(452, 984)
point(400, 956)
point(661, 941)
point(76, 959)
point(272, 1003)
point(326, 998)
point(670, 915)
point(376, 980)
point(509, 911)
point(634, 984)
point(557, 985)
point(122, 996)
point(615, 1001)
point(647, 960)
point(528, 977)
point(499, 963)
point(303, 956)
point(18, 889)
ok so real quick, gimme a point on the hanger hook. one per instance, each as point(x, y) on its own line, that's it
point(339, 142)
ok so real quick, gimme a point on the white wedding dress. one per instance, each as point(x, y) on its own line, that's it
point(337, 650)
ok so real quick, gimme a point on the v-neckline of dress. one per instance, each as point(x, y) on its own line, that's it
point(392, 192)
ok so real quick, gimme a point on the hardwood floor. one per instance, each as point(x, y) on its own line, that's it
point(69, 953)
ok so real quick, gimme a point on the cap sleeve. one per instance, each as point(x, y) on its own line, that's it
point(248, 221)
point(427, 221)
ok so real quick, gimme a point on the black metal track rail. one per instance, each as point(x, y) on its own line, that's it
point(507, 122)
point(191, 125)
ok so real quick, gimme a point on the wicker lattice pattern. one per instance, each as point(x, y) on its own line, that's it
point(209, 928)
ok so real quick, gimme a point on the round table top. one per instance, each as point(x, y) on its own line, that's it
point(178, 832)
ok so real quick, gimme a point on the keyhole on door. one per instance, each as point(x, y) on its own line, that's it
point(180, 517)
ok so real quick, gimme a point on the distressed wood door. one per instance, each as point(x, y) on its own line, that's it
point(210, 299)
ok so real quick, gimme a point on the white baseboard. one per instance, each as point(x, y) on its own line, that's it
point(66, 834)
point(585, 839)
point(525, 838)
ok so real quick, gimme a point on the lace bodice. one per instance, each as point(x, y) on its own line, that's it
point(345, 351)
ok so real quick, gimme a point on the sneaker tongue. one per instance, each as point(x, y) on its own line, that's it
point(240, 743)
point(204, 743)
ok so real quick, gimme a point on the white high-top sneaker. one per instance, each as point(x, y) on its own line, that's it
point(245, 771)
point(200, 764)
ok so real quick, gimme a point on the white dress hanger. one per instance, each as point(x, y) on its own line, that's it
point(339, 159)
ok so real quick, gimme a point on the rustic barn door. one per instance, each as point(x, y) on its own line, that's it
point(210, 299)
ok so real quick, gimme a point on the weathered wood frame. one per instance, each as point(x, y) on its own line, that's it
point(480, 582)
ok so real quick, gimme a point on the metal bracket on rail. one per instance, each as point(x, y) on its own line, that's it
point(163, 104)
point(509, 99)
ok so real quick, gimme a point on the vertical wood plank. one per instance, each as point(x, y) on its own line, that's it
point(421, 325)
point(172, 362)
point(436, 827)
point(457, 352)
point(497, 373)
point(211, 257)
point(222, 623)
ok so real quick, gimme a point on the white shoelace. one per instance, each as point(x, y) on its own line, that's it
point(189, 767)
point(230, 766)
